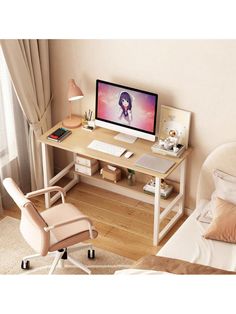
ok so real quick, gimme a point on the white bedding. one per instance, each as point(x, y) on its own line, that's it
point(189, 245)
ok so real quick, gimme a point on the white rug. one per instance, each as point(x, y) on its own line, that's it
point(13, 248)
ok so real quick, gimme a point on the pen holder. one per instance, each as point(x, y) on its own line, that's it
point(91, 123)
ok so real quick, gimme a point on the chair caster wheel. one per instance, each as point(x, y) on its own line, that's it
point(25, 264)
point(91, 254)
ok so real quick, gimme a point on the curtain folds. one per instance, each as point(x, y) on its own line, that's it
point(28, 64)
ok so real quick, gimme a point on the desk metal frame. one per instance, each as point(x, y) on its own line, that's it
point(158, 217)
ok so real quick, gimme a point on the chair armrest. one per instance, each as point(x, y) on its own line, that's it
point(63, 223)
point(46, 190)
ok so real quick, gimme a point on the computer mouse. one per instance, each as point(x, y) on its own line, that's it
point(128, 154)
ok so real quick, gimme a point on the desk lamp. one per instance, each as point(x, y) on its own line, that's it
point(74, 93)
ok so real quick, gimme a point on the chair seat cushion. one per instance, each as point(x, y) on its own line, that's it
point(69, 234)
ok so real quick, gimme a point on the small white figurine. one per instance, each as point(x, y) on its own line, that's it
point(170, 142)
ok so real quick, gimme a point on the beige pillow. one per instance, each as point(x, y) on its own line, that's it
point(223, 225)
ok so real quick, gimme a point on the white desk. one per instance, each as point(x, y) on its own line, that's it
point(77, 143)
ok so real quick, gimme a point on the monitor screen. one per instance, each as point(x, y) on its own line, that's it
point(126, 107)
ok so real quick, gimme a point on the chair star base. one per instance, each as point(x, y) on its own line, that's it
point(62, 255)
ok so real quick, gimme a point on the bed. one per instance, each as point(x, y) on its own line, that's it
point(187, 251)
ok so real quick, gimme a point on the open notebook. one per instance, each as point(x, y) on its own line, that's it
point(154, 163)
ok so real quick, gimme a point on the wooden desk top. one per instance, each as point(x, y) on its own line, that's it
point(78, 141)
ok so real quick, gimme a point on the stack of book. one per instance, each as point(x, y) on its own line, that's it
point(86, 165)
point(59, 135)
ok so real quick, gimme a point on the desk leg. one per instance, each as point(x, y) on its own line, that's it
point(182, 185)
point(156, 222)
point(45, 160)
point(76, 175)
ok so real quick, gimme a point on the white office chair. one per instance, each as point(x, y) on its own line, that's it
point(54, 230)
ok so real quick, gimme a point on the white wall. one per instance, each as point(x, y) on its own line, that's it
point(195, 75)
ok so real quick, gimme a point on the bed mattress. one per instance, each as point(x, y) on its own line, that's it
point(188, 244)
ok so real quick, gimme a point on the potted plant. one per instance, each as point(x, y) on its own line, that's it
point(131, 177)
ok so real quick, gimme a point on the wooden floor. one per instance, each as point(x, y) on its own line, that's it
point(124, 224)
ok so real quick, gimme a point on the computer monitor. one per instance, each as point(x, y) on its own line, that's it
point(127, 110)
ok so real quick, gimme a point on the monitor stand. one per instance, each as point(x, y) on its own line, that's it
point(125, 138)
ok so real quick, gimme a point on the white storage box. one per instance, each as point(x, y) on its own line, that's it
point(87, 170)
point(85, 161)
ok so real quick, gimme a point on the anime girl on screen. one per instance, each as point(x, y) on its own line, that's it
point(125, 103)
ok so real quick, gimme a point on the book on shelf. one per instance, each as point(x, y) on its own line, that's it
point(59, 135)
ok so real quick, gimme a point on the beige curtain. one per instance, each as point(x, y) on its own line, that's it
point(28, 64)
point(14, 157)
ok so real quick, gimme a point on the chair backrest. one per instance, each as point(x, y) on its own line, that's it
point(32, 224)
point(222, 158)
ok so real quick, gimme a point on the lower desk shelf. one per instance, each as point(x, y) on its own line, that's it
point(122, 187)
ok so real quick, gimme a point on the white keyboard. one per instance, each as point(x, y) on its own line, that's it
point(107, 148)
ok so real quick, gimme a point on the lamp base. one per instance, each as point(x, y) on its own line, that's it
point(72, 122)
